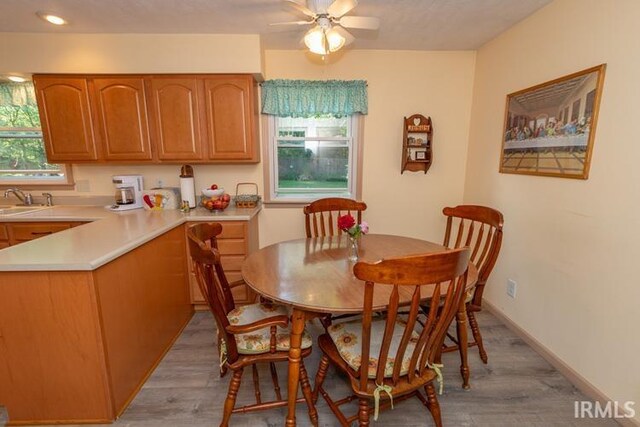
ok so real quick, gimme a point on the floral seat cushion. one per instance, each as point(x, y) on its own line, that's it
point(347, 337)
point(258, 342)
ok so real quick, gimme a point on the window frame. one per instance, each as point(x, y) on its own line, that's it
point(33, 183)
point(269, 148)
point(30, 183)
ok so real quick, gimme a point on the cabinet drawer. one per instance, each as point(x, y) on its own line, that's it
point(4, 235)
point(196, 295)
point(231, 263)
point(232, 247)
point(232, 230)
point(24, 232)
point(4, 244)
point(241, 294)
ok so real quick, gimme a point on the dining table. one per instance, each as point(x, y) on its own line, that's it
point(314, 276)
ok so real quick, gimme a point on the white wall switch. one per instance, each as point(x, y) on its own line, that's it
point(512, 286)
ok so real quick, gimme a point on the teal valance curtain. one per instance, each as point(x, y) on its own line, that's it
point(306, 98)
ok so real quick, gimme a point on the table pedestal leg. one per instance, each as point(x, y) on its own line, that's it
point(463, 343)
point(295, 340)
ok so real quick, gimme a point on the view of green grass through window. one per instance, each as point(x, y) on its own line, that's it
point(313, 154)
point(22, 154)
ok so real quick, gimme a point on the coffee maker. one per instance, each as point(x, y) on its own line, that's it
point(128, 192)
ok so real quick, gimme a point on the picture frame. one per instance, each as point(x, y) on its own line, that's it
point(549, 129)
point(421, 155)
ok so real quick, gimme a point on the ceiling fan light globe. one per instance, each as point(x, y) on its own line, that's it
point(335, 40)
point(314, 40)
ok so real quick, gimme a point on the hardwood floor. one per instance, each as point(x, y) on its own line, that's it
point(516, 388)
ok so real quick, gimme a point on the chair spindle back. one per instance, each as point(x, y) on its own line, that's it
point(211, 278)
point(479, 228)
point(444, 269)
point(321, 216)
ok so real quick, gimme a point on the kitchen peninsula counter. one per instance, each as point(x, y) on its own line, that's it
point(87, 313)
point(107, 236)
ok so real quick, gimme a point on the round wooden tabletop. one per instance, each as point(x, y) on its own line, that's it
point(316, 275)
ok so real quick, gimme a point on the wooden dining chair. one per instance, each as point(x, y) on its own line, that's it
point(394, 356)
point(321, 216)
point(480, 228)
point(250, 334)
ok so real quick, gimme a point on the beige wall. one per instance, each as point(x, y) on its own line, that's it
point(129, 53)
point(571, 245)
point(400, 83)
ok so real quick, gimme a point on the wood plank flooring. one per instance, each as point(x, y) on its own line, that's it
point(516, 388)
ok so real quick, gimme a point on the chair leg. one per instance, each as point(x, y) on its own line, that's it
point(463, 343)
point(432, 404)
point(477, 337)
point(320, 376)
point(308, 394)
point(230, 401)
point(274, 377)
point(363, 412)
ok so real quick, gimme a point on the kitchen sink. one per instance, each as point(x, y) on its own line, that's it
point(17, 210)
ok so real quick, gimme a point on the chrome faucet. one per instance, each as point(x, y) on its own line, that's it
point(25, 198)
point(49, 197)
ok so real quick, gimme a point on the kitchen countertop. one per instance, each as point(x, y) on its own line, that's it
point(107, 236)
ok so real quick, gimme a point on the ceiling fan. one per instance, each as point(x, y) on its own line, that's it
point(329, 20)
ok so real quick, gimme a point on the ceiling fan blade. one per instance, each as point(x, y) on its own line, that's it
point(301, 8)
point(293, 23)
point(340, 7)
point(348, 38)
point(362, 22)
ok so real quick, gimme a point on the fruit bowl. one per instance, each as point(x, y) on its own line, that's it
point(207, 192)
point(216, 203)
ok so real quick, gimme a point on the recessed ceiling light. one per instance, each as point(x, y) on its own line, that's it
point(17, 79)
point(53, 19)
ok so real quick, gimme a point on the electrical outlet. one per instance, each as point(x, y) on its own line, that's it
point(512, 286)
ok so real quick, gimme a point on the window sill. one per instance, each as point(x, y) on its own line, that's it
point(37, 186)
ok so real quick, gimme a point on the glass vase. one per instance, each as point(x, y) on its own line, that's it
point(353, 248)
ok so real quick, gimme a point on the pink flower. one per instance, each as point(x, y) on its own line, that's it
point(364, 227)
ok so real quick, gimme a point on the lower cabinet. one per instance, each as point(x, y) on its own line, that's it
point(237, 241)
point(4, 237)
point(13, 233)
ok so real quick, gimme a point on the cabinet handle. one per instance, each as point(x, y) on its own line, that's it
point(41, 233)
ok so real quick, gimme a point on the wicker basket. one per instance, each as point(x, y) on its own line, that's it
point(247, 200)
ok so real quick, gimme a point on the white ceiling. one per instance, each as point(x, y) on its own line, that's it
point(405, 24)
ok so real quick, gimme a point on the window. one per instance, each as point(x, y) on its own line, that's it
point(23, 160)
point(311, 158)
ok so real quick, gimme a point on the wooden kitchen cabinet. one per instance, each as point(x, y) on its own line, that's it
point(4, 237)
point(65, 117)
point(13, 233)
point(200, 118)
point(121, 117)
point(237, 241)
point(231, 118)
point(175, 106)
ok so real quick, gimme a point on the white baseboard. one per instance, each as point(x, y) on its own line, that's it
point(574, 377)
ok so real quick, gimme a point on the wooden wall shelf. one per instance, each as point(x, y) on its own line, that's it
point(417, 144)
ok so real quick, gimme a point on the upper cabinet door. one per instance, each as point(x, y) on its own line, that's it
point(174, 109)
point(231, 118)
point(65, 117)
point(121, 113)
